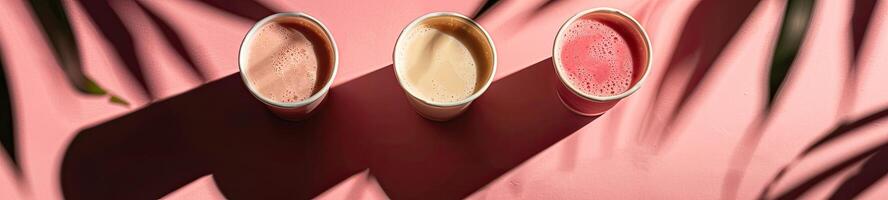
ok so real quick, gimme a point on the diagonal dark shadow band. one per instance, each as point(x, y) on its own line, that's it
point(220, 129)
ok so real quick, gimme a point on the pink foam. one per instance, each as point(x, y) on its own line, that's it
point(596, 58)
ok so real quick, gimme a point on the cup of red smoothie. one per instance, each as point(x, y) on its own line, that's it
point(288, 61)
point(601, 56)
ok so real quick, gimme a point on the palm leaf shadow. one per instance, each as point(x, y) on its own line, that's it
point(874, 169)
point(248, 9)
point(174, 40)
point(793, 28)
point(533, 13)
point(54, 20)
point(7, 129)
point(708, 30)
point(797, 191)
point(860, 20)
point(486, 6)
point(113, 29)
point(120, 38)
point(843, 130)
point(519, 20)
point(644, 11)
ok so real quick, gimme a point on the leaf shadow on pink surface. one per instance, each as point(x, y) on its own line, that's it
point(644, 13)
point(794, 27)
point(7, 123)
point(365, 123)
point(489, 5)
point(175, 41)
point(710, 27)
point(249, 9)
point(874, 169)
point(112, 28)
point(876, 154)
point(516, 21)
point(485, 7)
point(842, 131)
point(860, 21)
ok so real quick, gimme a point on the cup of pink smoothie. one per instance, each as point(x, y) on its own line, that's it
point(288, 61)
point(601, 56)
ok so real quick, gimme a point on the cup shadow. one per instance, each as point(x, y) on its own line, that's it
point(220, 129)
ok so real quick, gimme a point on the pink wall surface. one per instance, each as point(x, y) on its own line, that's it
point(208, 139)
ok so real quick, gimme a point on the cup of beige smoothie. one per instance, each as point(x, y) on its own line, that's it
point(288, 61)
point(444, 61)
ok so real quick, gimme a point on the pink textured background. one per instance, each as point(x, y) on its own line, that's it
point(602, 160)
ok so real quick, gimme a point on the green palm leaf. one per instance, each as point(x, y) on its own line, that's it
point(54, 21)
point(796, 19)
